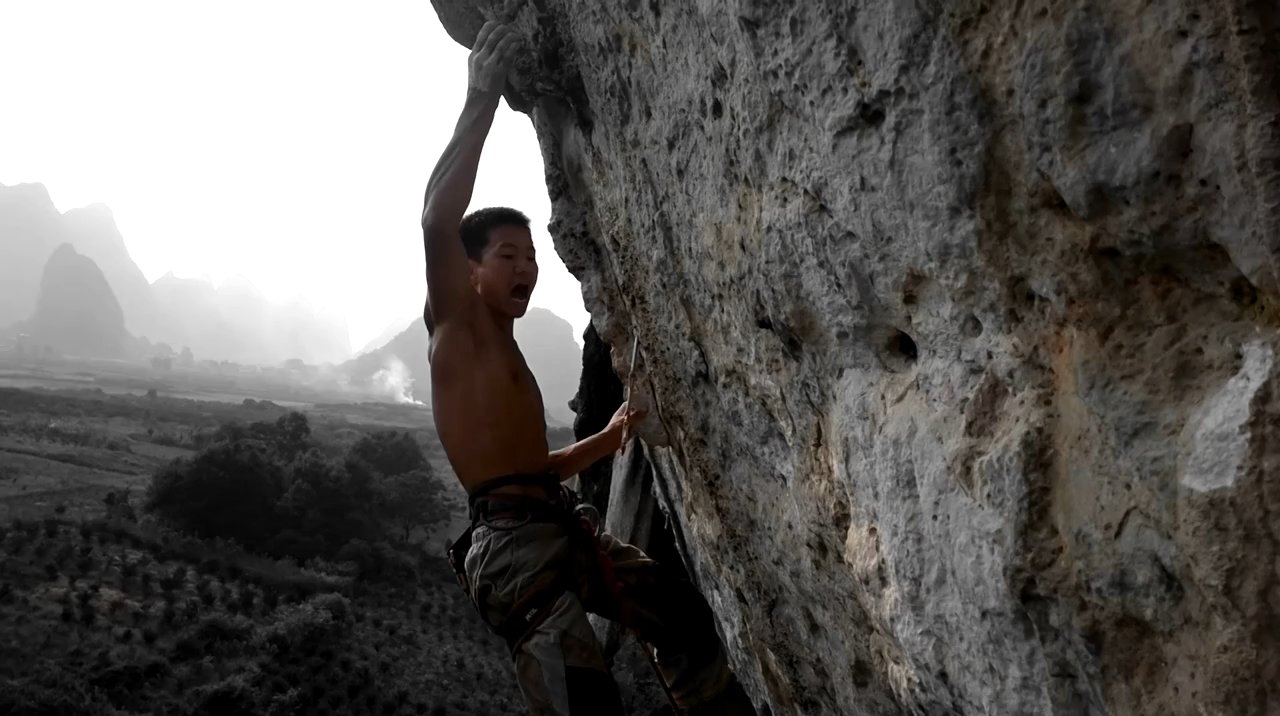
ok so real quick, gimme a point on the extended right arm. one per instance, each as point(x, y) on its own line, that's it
point(452, 181)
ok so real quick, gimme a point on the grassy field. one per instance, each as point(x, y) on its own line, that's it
point(72, 446)
point(110, 615)
point(105, 611)
point(108, 619)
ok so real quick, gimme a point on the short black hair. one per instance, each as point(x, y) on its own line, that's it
point(476, 226)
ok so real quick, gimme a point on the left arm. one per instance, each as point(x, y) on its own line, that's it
point(569, 461)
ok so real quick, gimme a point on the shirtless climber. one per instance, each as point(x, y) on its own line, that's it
point(531, 567)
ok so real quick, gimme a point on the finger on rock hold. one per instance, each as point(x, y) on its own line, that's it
point(495, 37)
point(485, 31)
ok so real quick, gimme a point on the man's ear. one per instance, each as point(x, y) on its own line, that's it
point(474, 276)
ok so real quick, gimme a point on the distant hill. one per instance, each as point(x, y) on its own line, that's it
point(30, 229)
point(92, 231)
point(554, 357)
point(392, 330)
point(398, 369)
point(76, 312)
point(234, 321)
point(545, 339)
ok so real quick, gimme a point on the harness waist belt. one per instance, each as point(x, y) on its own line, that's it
point(547, 481)
point(530, 509)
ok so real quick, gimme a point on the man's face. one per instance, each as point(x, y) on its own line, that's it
point(507, 271)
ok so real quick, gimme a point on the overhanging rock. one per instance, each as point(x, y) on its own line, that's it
point(959, 321)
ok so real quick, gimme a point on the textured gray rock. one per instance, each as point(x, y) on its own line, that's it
point(959, 321)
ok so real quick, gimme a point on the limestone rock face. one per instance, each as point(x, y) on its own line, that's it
point(959, 321)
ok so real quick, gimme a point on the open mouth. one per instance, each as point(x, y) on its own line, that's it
point(521, 291)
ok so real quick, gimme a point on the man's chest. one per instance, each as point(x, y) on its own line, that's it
point(483, 366)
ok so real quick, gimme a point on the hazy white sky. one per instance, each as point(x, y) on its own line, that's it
point(286, 141)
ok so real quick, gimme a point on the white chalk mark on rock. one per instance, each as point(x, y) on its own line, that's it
point(1220, 440)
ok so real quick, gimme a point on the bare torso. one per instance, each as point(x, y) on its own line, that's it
point(488, 409)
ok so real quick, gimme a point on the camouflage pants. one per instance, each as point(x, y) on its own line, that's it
point(560, 666)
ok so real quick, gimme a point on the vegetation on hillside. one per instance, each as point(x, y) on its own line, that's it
point(268, 487)
point(271, 571)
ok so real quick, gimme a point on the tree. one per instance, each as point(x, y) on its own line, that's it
point(288, 437)
point(390, 452)
point(329, 500)
point(267, 486)
point(119, 505)
point(228, 490)
point(292, 434)
point(412, 499)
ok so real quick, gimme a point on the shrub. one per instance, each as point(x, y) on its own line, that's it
point(390, 452)
point(229, 490)
point(302, 628)
point(338, 606)
point(234, 696)
point(50, 689)
point(174, 579)
point(124, 683)
point(119, 506)
point(219, 627)
point(412, 499)
point(330, 500)
point(293, 543)
point(266, 487)
point(359, 553)
point(289, 435)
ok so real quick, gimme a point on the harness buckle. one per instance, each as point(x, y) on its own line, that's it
point(456, 552)
point(588, 518)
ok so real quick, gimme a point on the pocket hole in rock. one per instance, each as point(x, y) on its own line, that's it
point(900, 351)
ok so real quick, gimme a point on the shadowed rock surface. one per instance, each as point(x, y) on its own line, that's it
point(960, 323)
point(600, 392)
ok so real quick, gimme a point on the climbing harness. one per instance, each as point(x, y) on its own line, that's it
point(581, 523)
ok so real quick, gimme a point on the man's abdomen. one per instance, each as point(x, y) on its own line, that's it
point(486, 435)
